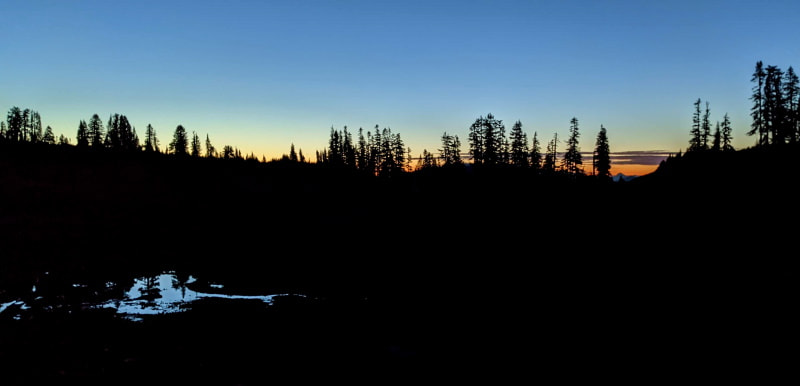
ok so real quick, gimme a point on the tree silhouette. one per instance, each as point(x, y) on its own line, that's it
point(549, 166)
point(95, 131)
point(774, 114)
point(15, 123)
point(791, 93)
point(696, 139)
point(179, 143)
point(716, 143)
point(48, 137)
point(362, 151)
point(292, 154)
point(150, 140)
point(335, 148)
point(82, 137)
point(450, 153)
point(536, 154)
point(427, 160)
point(726, 133)
point(348, 149)
point(488, 145)
point(211, 152)
point(757, 111)
point(602, 155)
point(705, 128)
point(228, 152)
point(477, 146)
point(32, 124)
point(195, 148)
point(120, 135)
point(26, 125)
point(390, 153)
point(571, 163)
point(519, 146)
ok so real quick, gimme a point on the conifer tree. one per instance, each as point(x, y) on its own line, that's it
point(551, 152)
point(34, 125)
point(716, 143)
point(150, 139)
point(602, 155)
point(450, 153)
point(519, 146)
point(120, 135)
point(488, 145)
point(696, 139)
point(348, 149)
point(211, 152)
point(758, 127)
point(195, 147)
point(15, 124)
point(536, 154)
point(477, 146)
point(705, 128)
point(362, 152)
point(726, 132)
point(96, 132)
point(82, 138)
point(572, 160)
point(228, 152)
point(179, 144)
point(48, 137)
point(791, 94)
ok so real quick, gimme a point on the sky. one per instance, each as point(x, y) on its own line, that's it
point(264, 75)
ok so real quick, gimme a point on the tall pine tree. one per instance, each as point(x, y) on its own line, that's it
point(519, 146)
point(758, 127)
point(572, 160)
point(602, 155)
point(179, 144)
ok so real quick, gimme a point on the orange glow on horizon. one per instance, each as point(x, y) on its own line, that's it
point(633, 169)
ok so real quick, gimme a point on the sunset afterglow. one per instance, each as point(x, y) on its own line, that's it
point(262, 76)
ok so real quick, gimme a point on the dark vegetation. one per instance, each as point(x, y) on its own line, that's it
point(492, 270)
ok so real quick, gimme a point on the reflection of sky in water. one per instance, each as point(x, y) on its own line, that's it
point(155, 295)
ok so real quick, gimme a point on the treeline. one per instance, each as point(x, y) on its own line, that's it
point(26, 126)
point(383, 153)
point(117, 134)
point(702, 138)
point(775, 113)
point(380, 152)
point(776, 105)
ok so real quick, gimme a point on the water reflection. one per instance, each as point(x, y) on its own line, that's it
point(164, 293)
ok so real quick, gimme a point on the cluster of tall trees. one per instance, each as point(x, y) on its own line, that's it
point(776, 105)
point(25, 125)
point(490, 147)
point(380, 153)
point(117, 134)
point(702, 138)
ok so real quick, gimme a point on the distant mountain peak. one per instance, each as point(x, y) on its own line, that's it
point(619, 176)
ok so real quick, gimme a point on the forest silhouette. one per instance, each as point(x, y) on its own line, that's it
point(489, 262)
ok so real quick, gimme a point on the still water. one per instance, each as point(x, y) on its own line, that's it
point(162, 293)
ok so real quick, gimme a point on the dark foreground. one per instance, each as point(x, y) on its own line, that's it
point(433, 280)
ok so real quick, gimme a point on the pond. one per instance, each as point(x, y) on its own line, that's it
point(130, 298)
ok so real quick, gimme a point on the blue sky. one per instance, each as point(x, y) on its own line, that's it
point(261, 75)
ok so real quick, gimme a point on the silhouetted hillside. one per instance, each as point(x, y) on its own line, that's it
point(463, 264)
point(755, 167)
